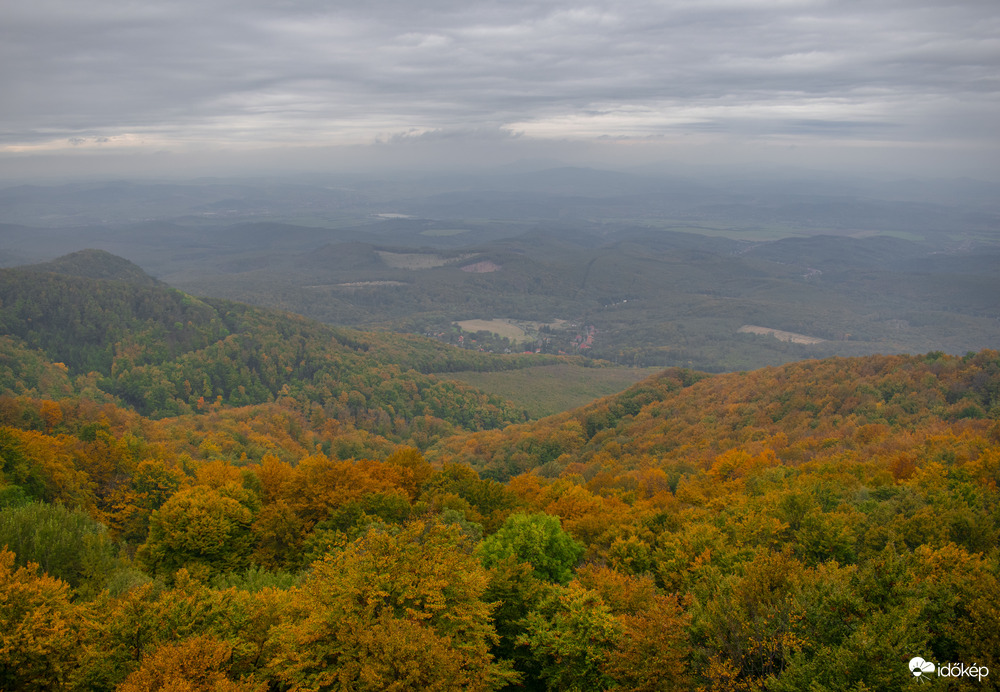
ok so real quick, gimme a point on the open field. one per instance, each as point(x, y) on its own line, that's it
point(369, 284)
point(790, 337)
point(416, 260)
point(503, 328)
point(549, 389)
point(515, 330)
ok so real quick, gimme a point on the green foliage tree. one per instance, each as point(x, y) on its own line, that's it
point(67, 544)
point(537, 539)
point(202, 530)
point(517, 592)
point(571, 636)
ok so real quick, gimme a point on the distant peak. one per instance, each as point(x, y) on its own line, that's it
point(96, 264)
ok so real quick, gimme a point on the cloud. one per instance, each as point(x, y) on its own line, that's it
point(451, 135)
point(184, 75)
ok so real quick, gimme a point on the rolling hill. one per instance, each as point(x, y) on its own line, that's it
point(163, 353)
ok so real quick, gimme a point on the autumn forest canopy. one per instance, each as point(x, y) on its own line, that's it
point(199, 494)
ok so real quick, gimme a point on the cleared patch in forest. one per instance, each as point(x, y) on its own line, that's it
point(417, 260)
point(503, 328)
point(780, 335)
point(518, 331)
point(368, 284)
point(485, 267)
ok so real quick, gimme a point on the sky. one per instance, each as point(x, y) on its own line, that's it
point(207, 87)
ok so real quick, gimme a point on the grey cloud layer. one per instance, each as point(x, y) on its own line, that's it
point(300, 72)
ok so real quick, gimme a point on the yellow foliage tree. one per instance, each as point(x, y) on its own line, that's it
point(392, 612)
point(41, 630)
point(192, 665)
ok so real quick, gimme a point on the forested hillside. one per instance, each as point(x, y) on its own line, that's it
point(644, 296)
point(802, 411)
point(201, 495)
point(164, 353)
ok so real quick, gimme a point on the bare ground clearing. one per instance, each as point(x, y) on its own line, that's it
point(417, 260)
point(780, 335)
point(503, 328)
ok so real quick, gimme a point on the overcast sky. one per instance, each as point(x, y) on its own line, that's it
point(155, 86)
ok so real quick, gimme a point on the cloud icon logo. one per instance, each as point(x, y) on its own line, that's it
point(919, 666)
